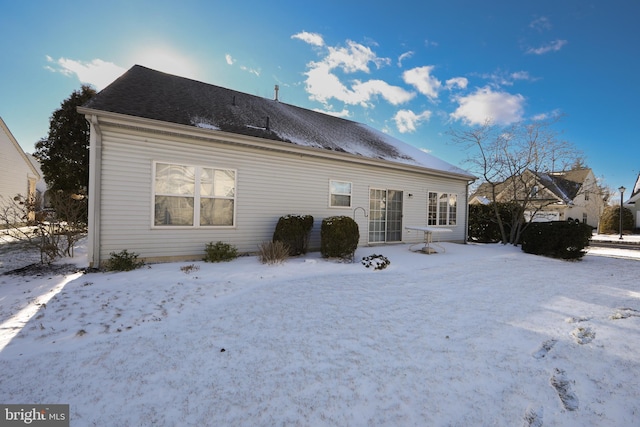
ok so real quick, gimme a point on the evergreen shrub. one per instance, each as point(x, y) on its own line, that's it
point(483, 227)
point(557, 239)
point(219, 251)
point(610, 220)
point(339, 237)
point(293, 231)
point(123, 261)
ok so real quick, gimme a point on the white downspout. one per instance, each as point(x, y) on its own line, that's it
point(95, 196)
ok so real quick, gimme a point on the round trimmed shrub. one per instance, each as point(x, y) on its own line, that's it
point(293, 231)
point(339, 237)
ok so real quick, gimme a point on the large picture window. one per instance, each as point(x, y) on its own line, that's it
point(442, 208)
point(188, 196)
point(340, 194)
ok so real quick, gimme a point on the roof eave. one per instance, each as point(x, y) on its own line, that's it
point(256, 142)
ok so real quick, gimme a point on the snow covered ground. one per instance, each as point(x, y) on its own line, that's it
point(478, 335)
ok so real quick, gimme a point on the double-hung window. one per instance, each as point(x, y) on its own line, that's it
point(193, 196)
point(442, 208)
point(340, 194)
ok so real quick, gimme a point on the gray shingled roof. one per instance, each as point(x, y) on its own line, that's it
point(562, 184)
point(151, 94)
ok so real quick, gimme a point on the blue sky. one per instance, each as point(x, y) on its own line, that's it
point(411, 69)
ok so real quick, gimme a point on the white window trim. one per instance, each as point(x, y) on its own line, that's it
point(196, 198)
point(342, 181)
point(438, 195)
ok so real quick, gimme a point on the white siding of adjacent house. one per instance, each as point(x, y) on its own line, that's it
point(270, 184)
point(591, 206)
point(17, 176)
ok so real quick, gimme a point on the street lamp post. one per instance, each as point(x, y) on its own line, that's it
point(621, 189)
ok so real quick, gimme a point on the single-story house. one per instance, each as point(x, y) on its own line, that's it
point(18, 175)
point(551, 196)
point(176, 163)
point(633, 203)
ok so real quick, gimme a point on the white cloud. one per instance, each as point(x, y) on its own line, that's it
point(254, 71)
point(323, 84)
point(393, 94)
point(422, 80)
point(313, 39)
point(521, 75)
point(355, 57)
point(344, 113)
point(404, 56)
point(502, 78)
point(97, 72)
point(554, 46)
point(231, 61)
point(407, 120)
point(540, 24)
point(485, 104)
point(459, 82)
point(545, 116)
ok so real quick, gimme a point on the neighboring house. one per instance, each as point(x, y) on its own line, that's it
point(633, 203)
point(17, 174)
point(553, 196)
point(176, 163)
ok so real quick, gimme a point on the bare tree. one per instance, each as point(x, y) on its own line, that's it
point(511, 161)
point(54, 235)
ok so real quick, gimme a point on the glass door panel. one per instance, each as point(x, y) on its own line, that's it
point(385, 216)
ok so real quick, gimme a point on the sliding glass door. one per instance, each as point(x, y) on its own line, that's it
point(385, 216)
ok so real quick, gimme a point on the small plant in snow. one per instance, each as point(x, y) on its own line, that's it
point(188, 269)
point(123, 261)
point(378, 262)
point(275, 252)
point(220, 251)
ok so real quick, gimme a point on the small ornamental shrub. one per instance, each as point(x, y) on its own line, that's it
point(378, 262)
point(273, 252)
point(294, 230)
point(610, 220)
point(557, 239)
point(219, 251)
point(123, 261)
point(339, 237)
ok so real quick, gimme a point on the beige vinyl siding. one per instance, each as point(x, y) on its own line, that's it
point(269, 184)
